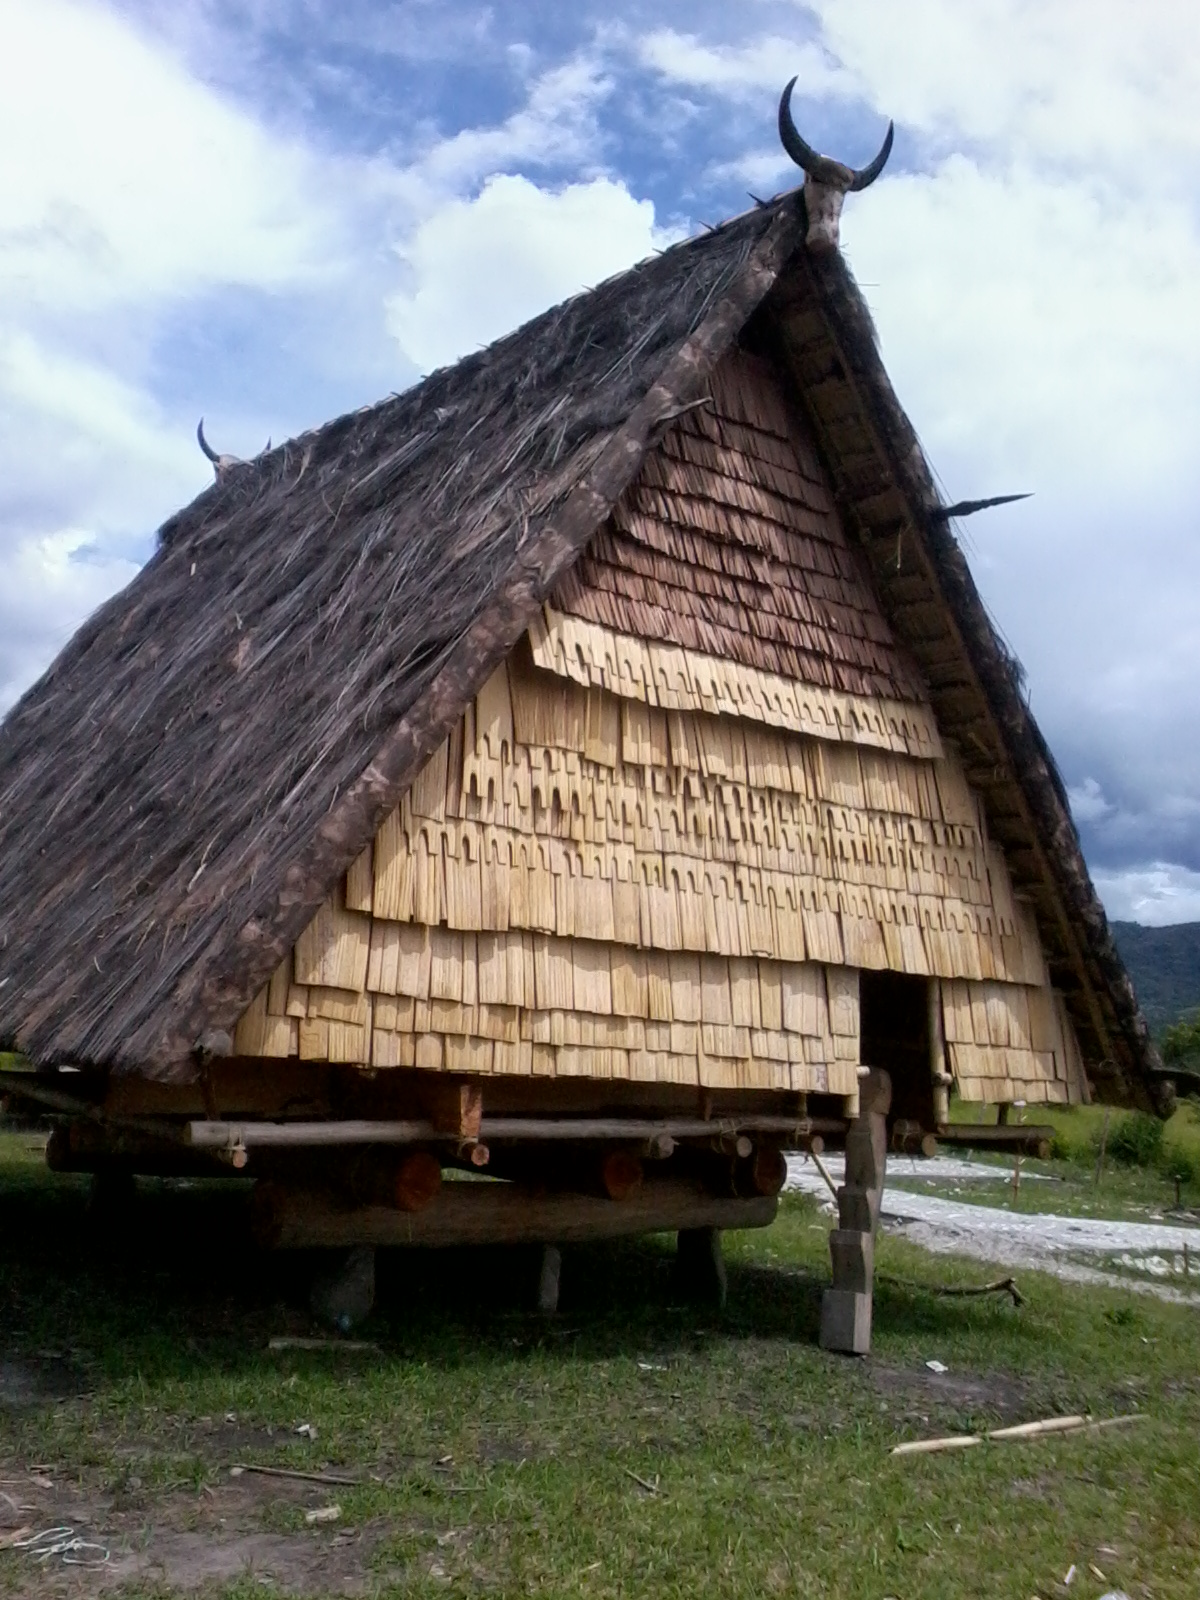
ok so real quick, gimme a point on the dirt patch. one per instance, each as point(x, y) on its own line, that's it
point(493, 1452)
point(183, 1540)
point(922, 1395)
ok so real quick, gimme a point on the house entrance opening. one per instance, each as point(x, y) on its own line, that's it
point(895, 1036)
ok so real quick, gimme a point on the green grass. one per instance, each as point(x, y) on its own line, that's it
point(495, 1448)
point(1125, 1194)
point(1078, 1130)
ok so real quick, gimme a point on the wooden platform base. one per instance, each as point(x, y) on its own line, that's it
point(498, 1213)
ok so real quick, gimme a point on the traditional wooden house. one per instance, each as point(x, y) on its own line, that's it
point(586, 766)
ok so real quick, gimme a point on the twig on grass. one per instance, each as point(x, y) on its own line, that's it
point(345, 1346)
point(650, 1488)
point(238, 1467)
point(1001, 1286)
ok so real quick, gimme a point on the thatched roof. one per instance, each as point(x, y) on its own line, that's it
point(182, 788)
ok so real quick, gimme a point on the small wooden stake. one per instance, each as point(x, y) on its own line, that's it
point(1103, 1145)
point(700, 1265)
point(824, 1171)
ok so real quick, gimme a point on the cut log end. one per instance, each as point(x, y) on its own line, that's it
point(620, 1174)
point(768, 1170)
point(418, 1179)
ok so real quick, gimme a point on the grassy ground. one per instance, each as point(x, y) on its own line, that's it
point(496, 1453)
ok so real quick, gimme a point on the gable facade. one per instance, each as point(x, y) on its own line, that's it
point(702, 795)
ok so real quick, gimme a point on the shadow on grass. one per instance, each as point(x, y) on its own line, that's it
point(173, 1283)
point(173, 1277)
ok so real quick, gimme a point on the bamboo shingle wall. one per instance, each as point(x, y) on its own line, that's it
point(668, 832)
point(729, 546)
point(1008, 1042)
point(531, 908)
point(728, 840)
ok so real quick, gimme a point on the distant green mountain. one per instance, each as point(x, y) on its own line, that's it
point(1164, 964)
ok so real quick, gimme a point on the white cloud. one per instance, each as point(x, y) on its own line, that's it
point(47, 586)
point(1037, 334)
point(1088, 803)
point(129, 191)
point(1088, 83)
point(555, 127)
point(1155, 895)
point(125, 177)
point(735, 70)
point(480, 267)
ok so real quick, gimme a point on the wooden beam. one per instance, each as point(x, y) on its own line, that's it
point(498, 1213)
point(1012, 1137)
point(496, 1130)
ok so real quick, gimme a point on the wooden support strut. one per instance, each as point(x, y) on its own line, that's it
point(846, 1307)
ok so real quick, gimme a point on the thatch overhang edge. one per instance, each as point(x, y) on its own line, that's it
point(1130, 1071)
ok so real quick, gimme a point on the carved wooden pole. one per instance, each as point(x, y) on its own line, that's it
point(846, 1307)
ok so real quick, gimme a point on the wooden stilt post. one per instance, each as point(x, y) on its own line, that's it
point(846, 1307)
point(700, 1265)
point(548, 1279)
point(937, 1057)
point(111, 1194)
point(345, 1295)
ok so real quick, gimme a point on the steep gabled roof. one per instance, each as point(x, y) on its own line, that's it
point(182, 788)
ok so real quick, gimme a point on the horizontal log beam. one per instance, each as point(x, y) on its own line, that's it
point(498, 1213)
point(500, 1130)
point(1014, 1138)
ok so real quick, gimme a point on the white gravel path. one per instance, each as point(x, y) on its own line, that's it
point(1144, 1256)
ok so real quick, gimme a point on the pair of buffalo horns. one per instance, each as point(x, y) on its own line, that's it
point(222, 465)
point(826, 182)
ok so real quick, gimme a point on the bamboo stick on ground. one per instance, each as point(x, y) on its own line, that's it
point(1034, 1430)
point(1014, 1434)
point(928, 1447)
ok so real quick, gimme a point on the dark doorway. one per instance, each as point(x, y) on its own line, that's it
point(895, 1036)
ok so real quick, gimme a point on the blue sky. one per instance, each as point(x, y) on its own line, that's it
point(272, 212)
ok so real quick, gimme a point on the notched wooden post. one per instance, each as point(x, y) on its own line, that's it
point(846, 1307)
